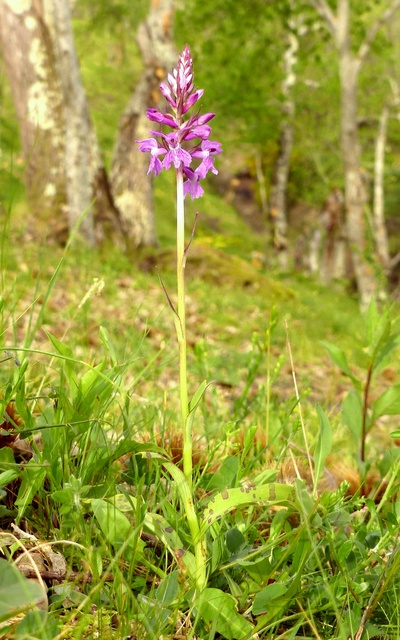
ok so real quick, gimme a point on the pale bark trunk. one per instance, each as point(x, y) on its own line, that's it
point(80, 142)
point(64, 173)
point(355, 188)
point(278, 203)
point(380, 234)
point(27, 53)
point(86, 179)
point(356, 196)
point(131, 186)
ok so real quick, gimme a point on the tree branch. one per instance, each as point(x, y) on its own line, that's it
point(372, 32)
point(326, 13)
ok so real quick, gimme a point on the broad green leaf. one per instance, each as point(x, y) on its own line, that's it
point(388, 404)
point(218, 610)
point(324, 445)
point(266, 495)
point(338, 357)
point(115, 526)
point(168, 589)
point(7, 456)
point(395, 434)
point(8, 476)
point(264, 598)
point(37, 625)
point(352, 415)
point(226, 475)
point(258, 569)
point(235, 540)
point(17, 594)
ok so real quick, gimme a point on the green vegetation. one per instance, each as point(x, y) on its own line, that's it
point(94, 382)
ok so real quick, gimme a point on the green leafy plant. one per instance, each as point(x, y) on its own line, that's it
point(361, 408)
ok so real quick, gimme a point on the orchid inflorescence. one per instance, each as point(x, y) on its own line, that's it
point(188, 139)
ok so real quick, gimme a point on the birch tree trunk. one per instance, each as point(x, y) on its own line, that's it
point(356, 196)
point(277, 203)
point(64, 170)
point(86, 178)
point(380, 234)
point(27, 53)
point(131, 186)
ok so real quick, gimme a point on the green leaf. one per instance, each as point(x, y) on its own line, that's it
point(157, 525)
point(352, 414)
point(264, 598)
point(168, 589)
point(218, 610)
point(33, 478)
point(338, 357)
point(388, 404)
point(8, 476)
point(324, 445)
point(17, 594)
point(198, 395)
point(235, 540)
point(266, 495)
point(38, 625)
point(193, 404)
point(7, 456)
point(114, 524)
point(226, 476)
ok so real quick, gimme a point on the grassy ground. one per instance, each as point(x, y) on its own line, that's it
point(82, 425)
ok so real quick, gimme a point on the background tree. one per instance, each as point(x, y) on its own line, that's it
point(38, 101)
point(131, 187)
point(350, 64)
point(278, 198)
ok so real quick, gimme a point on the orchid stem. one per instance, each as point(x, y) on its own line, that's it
point(181, 329)
point(186, 491)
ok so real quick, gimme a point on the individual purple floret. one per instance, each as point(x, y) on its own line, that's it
point(188, 141)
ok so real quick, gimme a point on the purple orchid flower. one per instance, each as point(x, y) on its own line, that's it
point(176, 146)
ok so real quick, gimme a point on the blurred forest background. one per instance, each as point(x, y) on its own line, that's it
point(307, 99)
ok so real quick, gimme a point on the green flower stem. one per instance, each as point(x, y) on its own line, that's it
point(199, 545)
point(184, 482)
point(181, 328)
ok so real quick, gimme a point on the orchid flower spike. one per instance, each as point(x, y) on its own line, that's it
point(184, 142)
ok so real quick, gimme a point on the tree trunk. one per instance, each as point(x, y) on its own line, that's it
point(27, 52)
point(355, 189)
point(131, 186)
point(380, 234)
point(277, 203)
point(86, 178)
point(64, 171)
point(356, 196)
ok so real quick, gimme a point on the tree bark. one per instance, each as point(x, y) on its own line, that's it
point(64, 172)
point(355, 189)
point(131, 186)
point(27, 51)
point(380, 234)
point(277, 203)
point(86, 178)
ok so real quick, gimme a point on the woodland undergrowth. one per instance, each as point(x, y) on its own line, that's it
point(297, 500)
